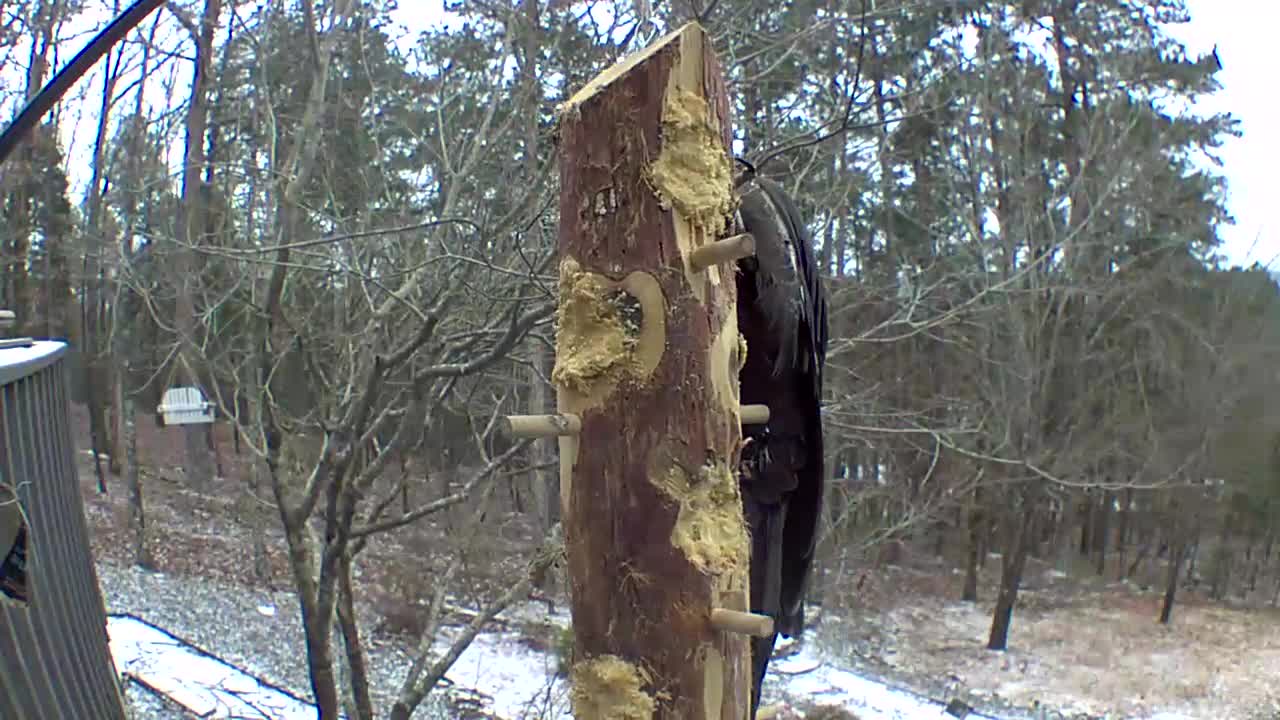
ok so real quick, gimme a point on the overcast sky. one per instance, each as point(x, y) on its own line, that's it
point(1243, 30)
point(1237, 27)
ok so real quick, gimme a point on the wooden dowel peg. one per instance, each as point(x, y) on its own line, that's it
point(743, 623)
point(734, 247)
point(769, 712)
point(754, 414)
point(543, 426)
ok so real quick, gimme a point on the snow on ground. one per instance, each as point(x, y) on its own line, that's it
point(519, 683)
point(511, 680)
point(805, 675)
point(1100, 654)
point(197, 681)
point(507, 672)
point(242, 635)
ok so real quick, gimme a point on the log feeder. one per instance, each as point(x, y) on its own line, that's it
point(647, 358)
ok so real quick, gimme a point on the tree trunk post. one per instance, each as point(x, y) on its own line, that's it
point(648, 353)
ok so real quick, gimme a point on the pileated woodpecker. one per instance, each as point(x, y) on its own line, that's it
point(782, 314)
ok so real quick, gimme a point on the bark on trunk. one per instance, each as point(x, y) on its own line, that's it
point(137, 515)
point(199, 461)
point(1086, 525)
point(1012, 564)
point(647, 355)
point(1223, 558)
point(19, 291)
point(97, 362)
point(1102, 531)
point(357, 667)
point(1251, 562)
point(970, 592)
point(258, 499)
point(1176, 555)
point(1122, 533)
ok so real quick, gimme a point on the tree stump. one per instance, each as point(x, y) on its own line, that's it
point(648, 354)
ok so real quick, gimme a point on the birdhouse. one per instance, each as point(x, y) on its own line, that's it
point(184, 406)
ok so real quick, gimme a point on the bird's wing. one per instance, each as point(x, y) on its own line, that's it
point(791, 300)
point(783, 269)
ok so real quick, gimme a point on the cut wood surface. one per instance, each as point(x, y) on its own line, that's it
point(647, 357)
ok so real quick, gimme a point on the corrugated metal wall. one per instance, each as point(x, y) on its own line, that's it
point(55, 662)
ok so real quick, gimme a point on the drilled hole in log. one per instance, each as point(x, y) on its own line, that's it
point(630, 312)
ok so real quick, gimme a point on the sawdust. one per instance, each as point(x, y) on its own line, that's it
point(610, 688)
point(709, 528)
point(693, 173)
point(609, 334)
point(597, 334)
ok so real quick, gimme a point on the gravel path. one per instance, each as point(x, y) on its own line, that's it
point(256, 630)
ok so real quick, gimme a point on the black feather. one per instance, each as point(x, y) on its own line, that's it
point(783, 317)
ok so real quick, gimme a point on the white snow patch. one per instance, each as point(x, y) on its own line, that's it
point(201, 683)
point(508, 678)
point(518, 682)
point(805, 676)
point(500, 671)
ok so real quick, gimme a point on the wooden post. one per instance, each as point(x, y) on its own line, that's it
point(648, 353)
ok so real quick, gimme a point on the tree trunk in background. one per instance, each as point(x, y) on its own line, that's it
point(1223, 558)
point(1177, 554)
point(1122, 533)
point(1261, 560)
point(1086, 524)
point(1193, 555)
point(199, 461)
point(259, 500)
point(1250, 563)
point(664, 422)
point(1012, 563)
point(1063, 552)
point(133, 479)
point(546, 491)
point(976, 520)
point(98, 362)
point(19, 293)
point(545, 482)
point(1101, 533)
point(1143, 551)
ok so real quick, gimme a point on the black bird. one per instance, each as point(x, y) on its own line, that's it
point(782, 315)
